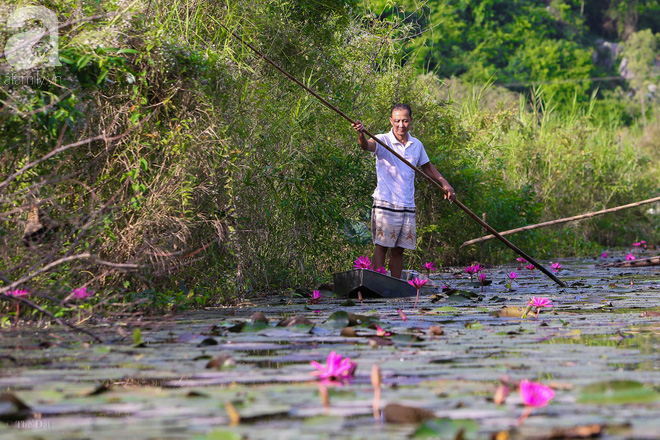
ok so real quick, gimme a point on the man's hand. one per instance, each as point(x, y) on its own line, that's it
point(365, 144)
point(450, 194)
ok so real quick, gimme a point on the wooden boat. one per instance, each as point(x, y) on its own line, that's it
point(370, 284)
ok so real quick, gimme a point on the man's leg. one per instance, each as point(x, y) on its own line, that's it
point(379, 256)
point(396, 262)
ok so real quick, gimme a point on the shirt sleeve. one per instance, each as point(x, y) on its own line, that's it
point(378, 152)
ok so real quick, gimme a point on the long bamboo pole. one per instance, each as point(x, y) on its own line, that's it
point(417, 170)
point(562, 220)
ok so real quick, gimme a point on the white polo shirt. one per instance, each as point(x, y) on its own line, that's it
point(396, 180)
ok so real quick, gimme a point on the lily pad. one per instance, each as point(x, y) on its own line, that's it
point(221, 435)
point(444, 309)
point(447, 429)
point(618, 392)
point(338, 319)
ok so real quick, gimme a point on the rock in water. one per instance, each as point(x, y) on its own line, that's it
point(396, 413)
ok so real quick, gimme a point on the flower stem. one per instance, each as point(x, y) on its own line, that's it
point(524, 415)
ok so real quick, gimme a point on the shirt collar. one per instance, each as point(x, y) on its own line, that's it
point(396, 141)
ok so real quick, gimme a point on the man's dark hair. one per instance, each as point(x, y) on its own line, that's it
point(400, 106)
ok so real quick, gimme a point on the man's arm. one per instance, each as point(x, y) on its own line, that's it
point(365, 144)
point(430, 171)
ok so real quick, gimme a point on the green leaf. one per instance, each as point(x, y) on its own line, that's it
point(137, 337)
point(83, 61)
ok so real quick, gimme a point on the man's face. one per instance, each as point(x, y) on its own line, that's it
point(401, 122)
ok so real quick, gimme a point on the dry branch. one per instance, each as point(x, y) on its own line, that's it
point(645, 262)
point(562, 220)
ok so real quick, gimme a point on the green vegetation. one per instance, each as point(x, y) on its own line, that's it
point(163, 165)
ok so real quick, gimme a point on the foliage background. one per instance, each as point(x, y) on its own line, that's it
point(171, 167)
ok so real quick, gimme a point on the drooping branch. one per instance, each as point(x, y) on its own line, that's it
point(562, 220)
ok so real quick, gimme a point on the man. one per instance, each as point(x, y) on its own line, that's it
point(393, 213)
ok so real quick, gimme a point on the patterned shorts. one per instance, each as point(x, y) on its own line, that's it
point(393, 226)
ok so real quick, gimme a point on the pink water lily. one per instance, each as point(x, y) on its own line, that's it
point(482, 279)
point(417, 283)
point(603, 255)
point(336, 368)
point(540, 302)
point(556, 267)
point(402, 315)
point(531, 267)
point(637, 244)
point(471, 270)
point(382, 270)
point(630, 257)
point(380, 331)
point(315, 296)
point(521, 260)
point(362, 262)
point(81, 293)
point(512, 276)
point(534, 395)
point(429, 267)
